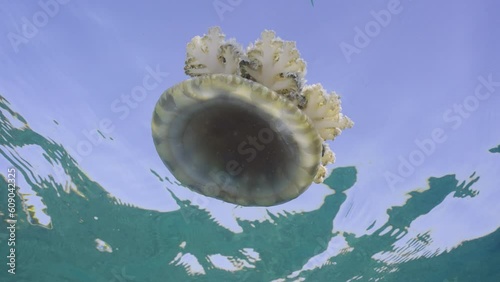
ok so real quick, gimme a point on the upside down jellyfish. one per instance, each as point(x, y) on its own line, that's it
point(246, 129)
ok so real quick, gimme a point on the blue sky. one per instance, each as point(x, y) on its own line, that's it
point(403, 84)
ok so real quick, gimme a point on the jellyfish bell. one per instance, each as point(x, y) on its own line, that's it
point(244, 129)
point(218, 141)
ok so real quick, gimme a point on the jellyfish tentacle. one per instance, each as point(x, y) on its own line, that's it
point(274, 63)
point(246, 128)
point(212, 54)
point(324, 110)
point(327, 157)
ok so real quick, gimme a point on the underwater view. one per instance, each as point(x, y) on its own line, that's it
point(237, 140)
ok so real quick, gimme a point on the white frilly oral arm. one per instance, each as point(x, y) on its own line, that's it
point(274, 63)
point(212, 54)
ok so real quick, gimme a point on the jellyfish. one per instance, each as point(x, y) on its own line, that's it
point(245, 128)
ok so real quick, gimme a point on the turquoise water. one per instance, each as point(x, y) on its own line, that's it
point(146, 245)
